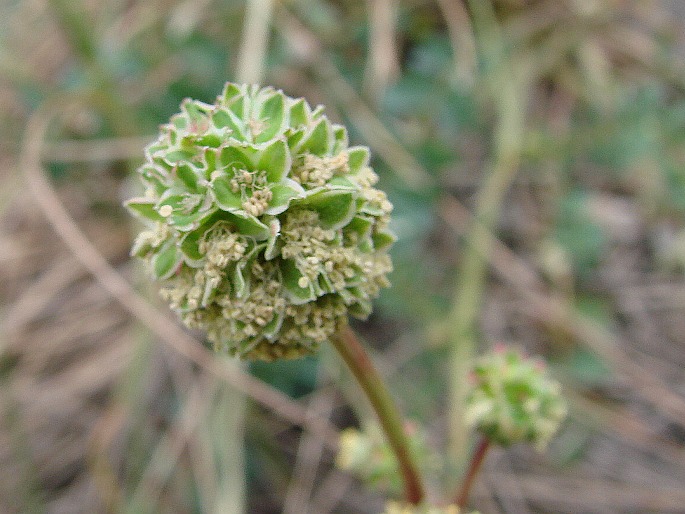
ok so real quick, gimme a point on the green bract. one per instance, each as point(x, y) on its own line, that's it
point(264, 226)
point(513, 400)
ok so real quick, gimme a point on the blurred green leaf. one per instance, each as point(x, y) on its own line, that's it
point(575, 231)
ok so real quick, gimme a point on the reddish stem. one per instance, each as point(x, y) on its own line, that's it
point(474, 466)
point(357, 360)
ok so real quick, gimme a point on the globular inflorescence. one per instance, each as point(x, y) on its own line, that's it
point(512, 399)
point(265, 229)
point(367, 454)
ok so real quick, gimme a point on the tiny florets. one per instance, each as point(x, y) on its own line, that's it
point(512, 399)
point(265, 229)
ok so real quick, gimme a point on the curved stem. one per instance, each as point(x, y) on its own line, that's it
point(474, 467)
point(356, 358)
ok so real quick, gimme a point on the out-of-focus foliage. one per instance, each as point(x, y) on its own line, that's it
point(96, 415)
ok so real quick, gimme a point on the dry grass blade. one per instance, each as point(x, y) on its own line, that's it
point(332, 490)
point(309, 455)
point(462, 40)
point(197, 403)
point(599, 496)
point(34, 297)
point(383, 63)
point(122, 148)
point(255, 40)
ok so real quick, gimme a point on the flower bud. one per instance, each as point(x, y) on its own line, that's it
point(265, 229)
point(513, 400)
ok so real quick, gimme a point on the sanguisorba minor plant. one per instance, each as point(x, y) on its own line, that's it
point(266, 232)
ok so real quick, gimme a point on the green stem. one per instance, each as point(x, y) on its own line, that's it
point(508, 93)
point(476, 462)
point(356, 358)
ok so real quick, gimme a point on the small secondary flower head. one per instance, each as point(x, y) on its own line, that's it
point(513, 400)
point(403, 508)
point(265, 229)
point(367, 454)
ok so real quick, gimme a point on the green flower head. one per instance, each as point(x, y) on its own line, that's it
point(367, 454)
point(265, 229)
point(403, 508)
point(513, 400)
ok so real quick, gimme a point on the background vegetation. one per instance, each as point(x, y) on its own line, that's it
point(535, 154)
